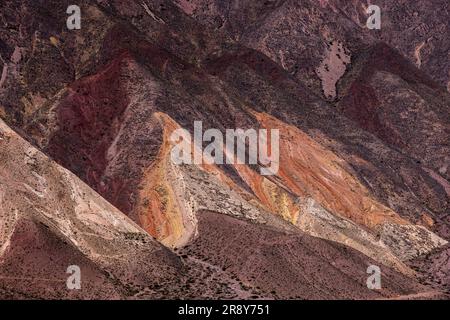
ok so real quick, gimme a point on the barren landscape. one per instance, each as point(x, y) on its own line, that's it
point(87, 176)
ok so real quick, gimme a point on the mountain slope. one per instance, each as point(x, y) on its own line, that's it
point(358, 180)
point(51, 220)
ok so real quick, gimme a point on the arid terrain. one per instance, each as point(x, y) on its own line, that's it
point(87, 176)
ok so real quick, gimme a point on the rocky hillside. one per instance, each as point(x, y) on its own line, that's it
point(87, 176)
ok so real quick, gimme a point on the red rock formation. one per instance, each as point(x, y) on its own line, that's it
point(363, 170)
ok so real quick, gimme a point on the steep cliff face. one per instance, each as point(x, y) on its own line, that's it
point(363, 147)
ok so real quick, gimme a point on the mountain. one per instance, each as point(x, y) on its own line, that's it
point(87, 171)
